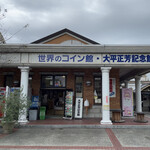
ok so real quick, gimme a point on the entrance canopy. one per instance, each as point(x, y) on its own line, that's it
point(131, 60)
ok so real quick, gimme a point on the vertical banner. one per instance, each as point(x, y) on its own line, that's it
point(127, 101)
point(79, 108)
point(112, 87)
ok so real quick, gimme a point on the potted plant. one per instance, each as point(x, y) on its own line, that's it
point(12, 106)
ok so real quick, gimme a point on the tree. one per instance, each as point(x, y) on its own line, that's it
point(3, 32)
point(2, 13)
point(2, 16)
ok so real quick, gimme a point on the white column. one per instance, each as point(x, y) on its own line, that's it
point(24, 90)
point(105, 96)
point(138, 94)
point(126, 84)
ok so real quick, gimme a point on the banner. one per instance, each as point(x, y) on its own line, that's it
point(127, 102)
point(112, 87)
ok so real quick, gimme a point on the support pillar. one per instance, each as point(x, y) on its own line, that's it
point(24, 90)
point(138, 94)
point(105, 96)
point(127, 84)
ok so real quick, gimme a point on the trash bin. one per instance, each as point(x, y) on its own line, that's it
point(42, 113)
point(33, 114)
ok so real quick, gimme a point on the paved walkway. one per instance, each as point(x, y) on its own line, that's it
point(58, 134)
point(73, 138)
point(88, 123)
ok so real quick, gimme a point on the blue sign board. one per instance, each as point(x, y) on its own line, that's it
point(35, 102)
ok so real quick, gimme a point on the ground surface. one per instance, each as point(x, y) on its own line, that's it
point(75, 138)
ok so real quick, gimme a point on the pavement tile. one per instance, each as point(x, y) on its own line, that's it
point(78, 134)
point(57, 137)
point(133, 138)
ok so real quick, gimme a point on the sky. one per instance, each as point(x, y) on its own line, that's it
point(104, 21)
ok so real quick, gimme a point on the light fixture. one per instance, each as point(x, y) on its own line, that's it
point(88, 83)
point(30, 78)
point(16, 82)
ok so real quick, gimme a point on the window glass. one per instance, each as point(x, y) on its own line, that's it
point(52, 81)
point(97, 90)
point(9, 80)
point(47, 81)
point(79, 87)
point(60, 81)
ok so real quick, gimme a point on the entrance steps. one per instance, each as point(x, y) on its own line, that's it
point(94, 112)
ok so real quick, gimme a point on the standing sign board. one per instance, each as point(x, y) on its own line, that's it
point(68, 105)
point(13, 89)
point(127, 101)
point(79, 108)
point(35, 102)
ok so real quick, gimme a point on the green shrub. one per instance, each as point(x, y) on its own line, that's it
point(13, 105)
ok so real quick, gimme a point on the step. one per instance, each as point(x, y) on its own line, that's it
point(94, 111)
point(92, 116)
point(97, 106)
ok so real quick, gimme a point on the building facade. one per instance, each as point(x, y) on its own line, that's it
point(65, 61)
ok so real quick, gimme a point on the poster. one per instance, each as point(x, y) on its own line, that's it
point(79, 108)
point(112, 87)
point(35, 102)
point(127, 101)
point(68, 104)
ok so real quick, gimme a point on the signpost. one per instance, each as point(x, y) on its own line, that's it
point(79, 108)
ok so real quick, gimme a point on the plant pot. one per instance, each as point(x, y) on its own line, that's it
point(8, 126)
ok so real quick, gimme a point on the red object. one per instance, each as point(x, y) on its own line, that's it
point(1, 114)
point(106, 99)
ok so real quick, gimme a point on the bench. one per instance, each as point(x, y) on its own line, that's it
point(116, 115)
point(140, 117)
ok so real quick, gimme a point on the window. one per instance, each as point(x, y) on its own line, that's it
point(52, 81)
point(97, 90)
point(8, 80)
point(79, 87)
point(60, 81)
point(47, 81)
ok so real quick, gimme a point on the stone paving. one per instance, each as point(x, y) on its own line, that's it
point(73, 138)
point(58, 134)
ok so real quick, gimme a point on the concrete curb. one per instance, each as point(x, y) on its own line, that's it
point(89, 126)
